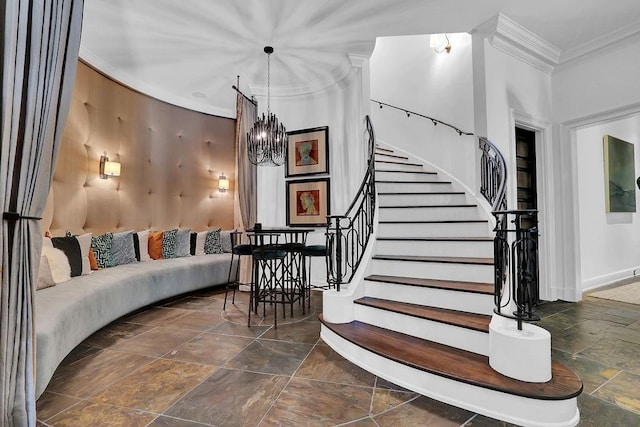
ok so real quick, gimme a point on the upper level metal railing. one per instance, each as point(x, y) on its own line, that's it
point(348, 235)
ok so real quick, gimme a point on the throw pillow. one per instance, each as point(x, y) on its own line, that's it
point(92, 260)
point(59, 264)
point(122, 249)
point(194, 239)
point(169, 243)
point(85, 247)
point(101, 246)
point(201, 237)
point(143, 243)
point(45, 278)
point(155, 244)
point(212, 243)
point(225, 239)
point(183, 243)
point(71, 248)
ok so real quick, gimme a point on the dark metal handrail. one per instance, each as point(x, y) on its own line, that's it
point(516, 245)
point(348, 235)
point(433, 120)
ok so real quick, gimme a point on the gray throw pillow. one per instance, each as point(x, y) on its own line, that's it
point(225, 239)
point(122, 249)
point(183, 243)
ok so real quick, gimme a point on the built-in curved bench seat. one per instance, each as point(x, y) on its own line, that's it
point(68, 313)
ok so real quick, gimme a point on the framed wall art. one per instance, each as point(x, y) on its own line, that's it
point(308, 202)
point(307, 152)
point(619, 175)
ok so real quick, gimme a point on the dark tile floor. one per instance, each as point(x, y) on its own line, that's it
point(186, 363)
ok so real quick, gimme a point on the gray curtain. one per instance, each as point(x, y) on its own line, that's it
point(246, 115)
point(40, 44)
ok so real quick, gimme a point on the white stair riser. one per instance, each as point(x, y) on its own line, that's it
point(434, 297)
point(382, 175)
point(434, 270)
point(399, 199)
point(381, 166)
point(454, 336)
point(430, 214)
point(495, 404)
point(435, 248)
point(438, 229)
point(414, 187)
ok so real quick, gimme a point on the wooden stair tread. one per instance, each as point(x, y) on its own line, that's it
point(411, 182)
point(395, 156)
point(398, 163)
point(417, 193)
point(448, 221)
point(403, 171)
point(441, 259)
point(473, 287)
point(454, 363)
point(426, 206)
point(437, 239)
point(384, 149)
point(473, 321)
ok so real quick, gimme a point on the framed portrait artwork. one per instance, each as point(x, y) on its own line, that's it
point(308, 202)
point(307, 152)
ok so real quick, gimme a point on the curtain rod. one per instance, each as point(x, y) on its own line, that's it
point(245, 96)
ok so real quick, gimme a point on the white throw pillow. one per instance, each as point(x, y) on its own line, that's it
point(45, 279)
point(201, 237)
point(85, 245)
point(59, 264)
point(143, 243)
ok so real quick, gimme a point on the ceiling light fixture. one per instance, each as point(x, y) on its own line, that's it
point(440, 43)
point(267, 140)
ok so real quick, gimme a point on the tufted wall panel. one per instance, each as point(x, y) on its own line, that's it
point(171, 159)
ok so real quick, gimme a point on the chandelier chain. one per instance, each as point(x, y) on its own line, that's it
point(268, 83)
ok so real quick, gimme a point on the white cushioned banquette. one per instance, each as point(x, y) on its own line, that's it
point(68, 313)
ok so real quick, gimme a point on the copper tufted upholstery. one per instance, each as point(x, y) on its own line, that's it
point(171, 159)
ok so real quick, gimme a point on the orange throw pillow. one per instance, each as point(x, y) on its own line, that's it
point(155, 244)
point(92, 260)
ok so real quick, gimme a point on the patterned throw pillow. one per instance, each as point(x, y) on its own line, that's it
point(213, 243)
point(101, 246)
point(169, 243)
point(122, 249)
point(183, 243)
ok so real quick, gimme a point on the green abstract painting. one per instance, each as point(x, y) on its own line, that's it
point(619, 174)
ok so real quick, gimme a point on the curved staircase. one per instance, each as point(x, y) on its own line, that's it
point(420, 317)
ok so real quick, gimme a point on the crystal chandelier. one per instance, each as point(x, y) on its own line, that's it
point(267, 140)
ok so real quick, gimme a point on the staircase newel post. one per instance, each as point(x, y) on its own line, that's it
point(338, 253)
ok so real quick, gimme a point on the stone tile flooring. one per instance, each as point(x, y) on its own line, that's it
point(185, 363)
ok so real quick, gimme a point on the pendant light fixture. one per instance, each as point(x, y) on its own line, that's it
point(267, 140)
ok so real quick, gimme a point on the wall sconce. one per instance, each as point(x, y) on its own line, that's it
point(223, 183)
point(108, 168)
point(440, 43)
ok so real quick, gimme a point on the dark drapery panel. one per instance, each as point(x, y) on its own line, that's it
point(40, 44)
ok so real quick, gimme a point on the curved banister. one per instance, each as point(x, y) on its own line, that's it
point(348, 235)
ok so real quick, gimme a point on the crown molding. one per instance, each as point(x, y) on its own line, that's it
point(595, 47)
point(515, 40)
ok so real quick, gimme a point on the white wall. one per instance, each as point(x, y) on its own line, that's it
point(609, 242)
point(342, 109)
point(598, 90)
point(407, 73)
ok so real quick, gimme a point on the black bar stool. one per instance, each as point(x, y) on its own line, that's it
point(268, 274)
point(294, 272)
point(309, 252)
point(237, 250)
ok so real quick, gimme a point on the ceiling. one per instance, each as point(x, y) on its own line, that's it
point(189, 52)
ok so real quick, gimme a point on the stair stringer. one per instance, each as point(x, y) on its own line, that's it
point(495, 404)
